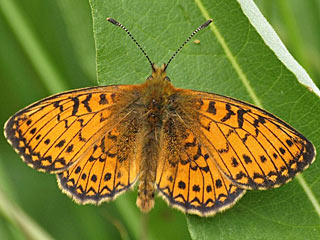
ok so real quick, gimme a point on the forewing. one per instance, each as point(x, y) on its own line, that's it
point(252, 147)
point(187, 176)
point(52, 134)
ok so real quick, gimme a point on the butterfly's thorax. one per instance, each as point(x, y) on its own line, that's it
point(157, 93)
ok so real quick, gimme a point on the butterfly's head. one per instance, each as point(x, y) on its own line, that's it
point(157, 87)
point(159, 73)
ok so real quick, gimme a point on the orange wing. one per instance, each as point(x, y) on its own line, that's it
point(253, 148)
point(187, 176)
point(110, 167)
point(54, 133)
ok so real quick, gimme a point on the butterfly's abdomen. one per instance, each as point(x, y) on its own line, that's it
point(148, 167)
point(149, 158)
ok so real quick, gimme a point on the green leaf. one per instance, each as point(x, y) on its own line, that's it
point(239, 56)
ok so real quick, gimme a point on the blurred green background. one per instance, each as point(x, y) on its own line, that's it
point(47, 47)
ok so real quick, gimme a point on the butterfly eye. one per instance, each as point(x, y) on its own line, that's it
point(168, 79)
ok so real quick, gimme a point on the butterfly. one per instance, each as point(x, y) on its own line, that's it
point(200, 151)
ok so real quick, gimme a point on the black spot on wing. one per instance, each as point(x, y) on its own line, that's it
point(211, 108)
point(75, 105)
point(240, 114)
point(85, 102)
point(60, 144)
point(103, 99)
point(181, 185)
point(229, 113)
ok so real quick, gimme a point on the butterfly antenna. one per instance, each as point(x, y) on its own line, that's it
point(115, 22)
point(187, 40)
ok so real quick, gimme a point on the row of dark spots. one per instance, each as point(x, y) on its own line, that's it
point(248, 160)
point(196, 187)
point(281, 150)
point(85, 102)
point(47, 141)
point(107, 176)
point(93, 177)
point(61, 144)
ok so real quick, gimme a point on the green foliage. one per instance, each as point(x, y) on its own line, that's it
point(232, 59)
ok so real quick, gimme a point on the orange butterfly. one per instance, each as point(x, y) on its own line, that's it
point(199, 150)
